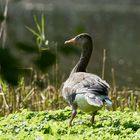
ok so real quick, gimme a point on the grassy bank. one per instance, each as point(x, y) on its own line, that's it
point(113, 125)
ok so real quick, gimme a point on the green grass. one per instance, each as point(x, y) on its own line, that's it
point(48, 125)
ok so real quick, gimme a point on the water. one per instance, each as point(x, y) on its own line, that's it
point(114, 26)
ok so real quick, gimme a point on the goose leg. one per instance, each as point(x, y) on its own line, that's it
point(74, 112)
point(93, 118)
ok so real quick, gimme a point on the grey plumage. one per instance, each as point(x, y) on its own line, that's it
point(85, 90)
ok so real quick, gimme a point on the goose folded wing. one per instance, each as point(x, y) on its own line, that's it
point(84, 83)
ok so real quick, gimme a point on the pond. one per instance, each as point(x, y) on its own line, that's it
point(114, 26)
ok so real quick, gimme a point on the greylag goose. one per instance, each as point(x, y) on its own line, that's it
point(83, 90)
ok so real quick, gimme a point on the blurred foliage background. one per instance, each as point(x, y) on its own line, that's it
point(34, 60)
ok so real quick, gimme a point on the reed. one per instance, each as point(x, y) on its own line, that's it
point(3, 25)
point(104, 60)
point(42, 93)
point(36, 99)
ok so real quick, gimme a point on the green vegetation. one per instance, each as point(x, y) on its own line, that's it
point(112, 125)
point(40, 33)
point(38, 91)
point(40, 95)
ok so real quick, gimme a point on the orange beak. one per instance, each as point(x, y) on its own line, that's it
point(71, 41)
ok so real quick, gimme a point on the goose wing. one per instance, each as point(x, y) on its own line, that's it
point(84, 83)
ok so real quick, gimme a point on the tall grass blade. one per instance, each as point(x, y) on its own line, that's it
point(32, 31)
point(37, 24)
point(43, 27)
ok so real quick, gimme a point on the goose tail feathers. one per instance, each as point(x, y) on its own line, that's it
point(98, 100)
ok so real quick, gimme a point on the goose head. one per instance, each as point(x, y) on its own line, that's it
point(82, 40)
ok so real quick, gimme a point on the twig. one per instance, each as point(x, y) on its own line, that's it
point(115, 94)
point(3, 25)
point(113, 80)
point(4, 100)
point(104, 60)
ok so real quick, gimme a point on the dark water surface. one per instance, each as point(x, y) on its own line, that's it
point(114, 26)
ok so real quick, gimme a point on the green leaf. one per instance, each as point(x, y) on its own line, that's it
point(32, 31)
point(37, 24)
point(43, 26)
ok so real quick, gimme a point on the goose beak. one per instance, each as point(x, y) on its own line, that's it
point(71, 41)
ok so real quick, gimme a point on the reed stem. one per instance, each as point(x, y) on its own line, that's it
point(104, 61)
